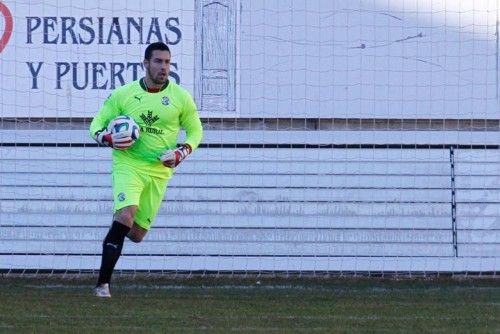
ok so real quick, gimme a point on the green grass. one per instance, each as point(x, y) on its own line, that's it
point(278, 305)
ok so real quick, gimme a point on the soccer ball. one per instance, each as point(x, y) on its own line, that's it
point(124, 124)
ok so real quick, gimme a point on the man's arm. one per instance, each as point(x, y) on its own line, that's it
point(98, 127)
point(190, 121)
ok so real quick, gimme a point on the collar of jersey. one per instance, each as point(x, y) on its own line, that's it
point(145, 87)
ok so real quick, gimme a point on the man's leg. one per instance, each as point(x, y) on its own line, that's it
point(112, 248)
point(149, 204)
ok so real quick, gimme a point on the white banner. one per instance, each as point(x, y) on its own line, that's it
point(240, 58)
point(63, 58)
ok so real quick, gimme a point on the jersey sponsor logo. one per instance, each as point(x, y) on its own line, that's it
point(138, 98)
point(165, 100)
point(121, 197)
point(149, 119)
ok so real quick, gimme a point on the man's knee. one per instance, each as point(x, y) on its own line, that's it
point(126, 215)
point(136, 233)
point(135, 237)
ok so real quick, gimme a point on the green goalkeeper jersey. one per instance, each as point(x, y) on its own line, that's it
point(160, 116)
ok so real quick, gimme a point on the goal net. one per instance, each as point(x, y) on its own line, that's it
point(341, 137)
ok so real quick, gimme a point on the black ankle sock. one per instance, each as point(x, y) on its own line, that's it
point(111, 250)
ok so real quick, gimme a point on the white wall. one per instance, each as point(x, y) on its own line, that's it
point(259, 209)
point(370, 59)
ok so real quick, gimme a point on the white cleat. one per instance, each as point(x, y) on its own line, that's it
point(102, 291)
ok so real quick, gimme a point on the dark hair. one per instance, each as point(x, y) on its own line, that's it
point(155, 46)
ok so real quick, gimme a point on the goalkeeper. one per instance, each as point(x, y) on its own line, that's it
point(142, 169)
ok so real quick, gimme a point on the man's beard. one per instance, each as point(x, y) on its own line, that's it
point(156, 80)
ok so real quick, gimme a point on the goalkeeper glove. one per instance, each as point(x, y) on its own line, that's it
point(172, 158)
point(119, 141)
